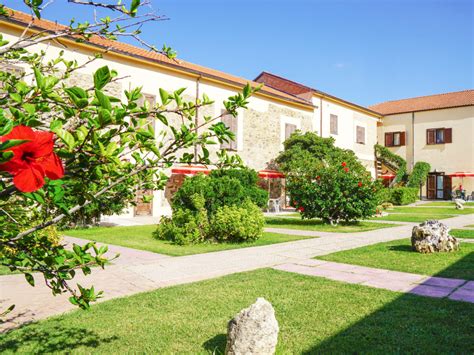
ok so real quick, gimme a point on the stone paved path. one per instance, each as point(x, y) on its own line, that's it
point(455, 289)
point(138, 271)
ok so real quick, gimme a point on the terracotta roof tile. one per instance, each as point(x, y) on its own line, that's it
point(130, 50)
point(425, 103)
point(300, 90)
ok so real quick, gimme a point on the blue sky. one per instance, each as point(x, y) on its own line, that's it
point(365, 51)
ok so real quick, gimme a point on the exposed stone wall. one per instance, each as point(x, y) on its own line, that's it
point(262, 134)
point(86, 80)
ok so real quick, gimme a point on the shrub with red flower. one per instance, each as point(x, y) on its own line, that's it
point(32, 160)
point(343, 164)
point(339, 195)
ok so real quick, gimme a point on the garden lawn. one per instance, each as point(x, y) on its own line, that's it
point(416, 217)
point(398, 255)
point(315, 315)
point(462, 233)
point(140, 237)
point(431, 210)
point(447, 203)
point(318, 225)
point(5, 270)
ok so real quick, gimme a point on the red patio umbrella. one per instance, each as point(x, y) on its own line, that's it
point(387, 176)
point(270, 174)
point(462, 175)
point(190, 170)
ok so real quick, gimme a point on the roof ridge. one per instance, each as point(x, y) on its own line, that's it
point(423, 96)
point(131, 50)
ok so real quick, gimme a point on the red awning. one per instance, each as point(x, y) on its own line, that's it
point(270, 174)
point(461, 174)
point(387, 176)
point(190, 170)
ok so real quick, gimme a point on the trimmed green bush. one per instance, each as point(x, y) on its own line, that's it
point(384, 194)
point(238, 223)
point(187, 226)
point(228, 200)
point(223, 187)
point(403, 195)
point(419, 174)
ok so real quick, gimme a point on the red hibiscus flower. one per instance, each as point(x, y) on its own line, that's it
point(32, 160)
point(343, 164)
point(360, 184)
point(346, 170)
point(301, 209)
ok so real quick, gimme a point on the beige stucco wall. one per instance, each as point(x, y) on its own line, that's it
point(348, 120)
point(449, 157)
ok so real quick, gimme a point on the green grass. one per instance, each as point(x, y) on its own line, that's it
point(470, 226)
point(318, 225)
point(397, 255)
point(140, 237)
point(6, 271)
point(416, 218)
point(462, 233)
point(315, 315)
point(431, 210)
point(447, 203)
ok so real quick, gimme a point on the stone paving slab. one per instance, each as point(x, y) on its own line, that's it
point(439, 287)
point(137, 271)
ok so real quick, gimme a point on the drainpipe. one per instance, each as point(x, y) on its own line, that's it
point(196, 116)
point(320, 116)
point(413, 150)
point(412, 140)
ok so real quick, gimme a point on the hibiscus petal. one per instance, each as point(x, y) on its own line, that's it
point(42, 144)
point(13, 165)
point(53, 167)
point(28, 180)
point(19, 132)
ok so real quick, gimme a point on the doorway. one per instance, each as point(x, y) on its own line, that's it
point(438, 186)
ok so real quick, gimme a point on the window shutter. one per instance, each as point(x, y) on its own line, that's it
point(389, 139)
point(430, 136)
point(360, 135)
point(289, 130)
point(447, 186)
point(333, 124)
point(402, 138)
point(448, 135)
point(235, 129)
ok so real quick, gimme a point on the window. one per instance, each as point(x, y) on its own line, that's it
point(394, 139)
point(439, 136)
point(232, 123)
point(360, 135)
point(333, 124)
point(289, 130)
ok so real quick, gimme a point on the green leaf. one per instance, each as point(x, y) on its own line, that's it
point(67, 138)
point(12, 143)
point(102, 77)
point(5, 156)
point(78, 96)
point(30, 279)
point(39, 77)
point(134, 7)
point(104, 101)
point(164, 96)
